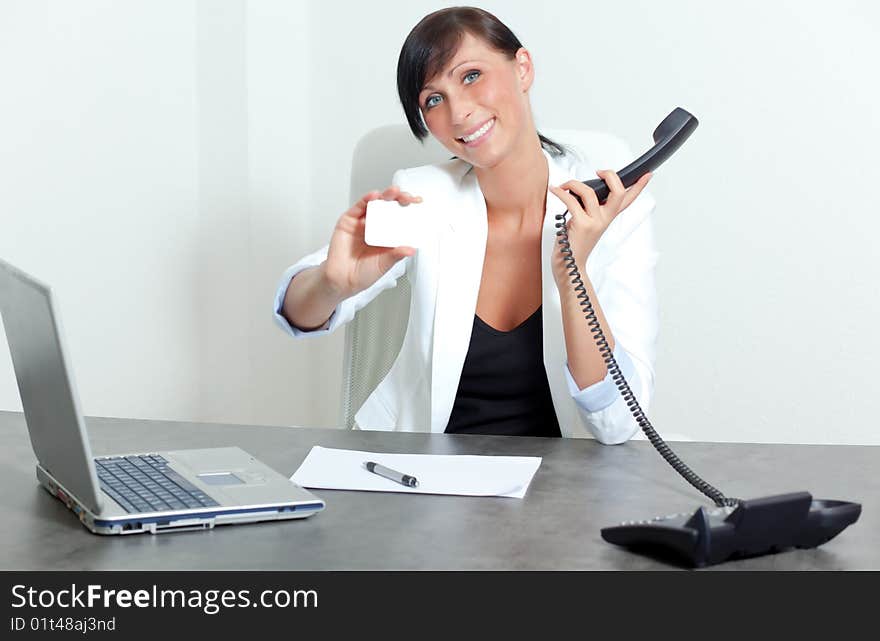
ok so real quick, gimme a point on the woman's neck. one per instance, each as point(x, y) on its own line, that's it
point(516, 188)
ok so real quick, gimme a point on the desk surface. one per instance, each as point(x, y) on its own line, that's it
point(580, 487)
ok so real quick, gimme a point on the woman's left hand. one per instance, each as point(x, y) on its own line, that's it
point(587, 224)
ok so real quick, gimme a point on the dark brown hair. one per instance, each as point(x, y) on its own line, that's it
point(430, 46)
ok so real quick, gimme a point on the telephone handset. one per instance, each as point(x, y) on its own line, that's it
point(668, 137)
point(735, 528)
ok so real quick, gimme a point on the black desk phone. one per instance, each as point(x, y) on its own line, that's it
point(735, 528)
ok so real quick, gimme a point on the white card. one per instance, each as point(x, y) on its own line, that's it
point(390, 224)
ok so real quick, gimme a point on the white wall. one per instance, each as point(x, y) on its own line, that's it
point(181, 154)
point(99, 192)
point(292, 383)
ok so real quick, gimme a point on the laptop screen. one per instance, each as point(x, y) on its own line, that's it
point(46, 385)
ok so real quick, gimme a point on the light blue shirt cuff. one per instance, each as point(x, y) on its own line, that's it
point(601, 395)
point(279, 306)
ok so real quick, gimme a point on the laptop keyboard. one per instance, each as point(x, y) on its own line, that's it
point(145, 483)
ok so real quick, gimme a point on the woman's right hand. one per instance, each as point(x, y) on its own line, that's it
point(352, 265)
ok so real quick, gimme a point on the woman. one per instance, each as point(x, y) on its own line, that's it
point(496, 342)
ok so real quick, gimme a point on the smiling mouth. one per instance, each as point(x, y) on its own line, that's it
point(479, 133)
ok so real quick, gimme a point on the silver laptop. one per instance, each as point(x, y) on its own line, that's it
point(129, 493)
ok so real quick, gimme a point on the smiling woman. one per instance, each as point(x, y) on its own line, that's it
point(430, 47)
point(496, 341)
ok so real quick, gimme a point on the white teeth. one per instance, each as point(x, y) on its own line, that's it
point(479, 132)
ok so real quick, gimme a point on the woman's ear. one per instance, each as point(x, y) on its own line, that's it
point(525, 70)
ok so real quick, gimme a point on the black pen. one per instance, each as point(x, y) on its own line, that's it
point(391, 475)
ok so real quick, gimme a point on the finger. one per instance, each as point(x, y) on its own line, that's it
point(387, 259)
point(587, 196)
point(403, 251)
point(633, 192)
point(359, 209)
point(391, 193)
point(405, 198)
point(375, 194)
point(569, 201)
point(616, 190)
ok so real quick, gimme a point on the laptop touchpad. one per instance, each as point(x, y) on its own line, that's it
point(220, 478)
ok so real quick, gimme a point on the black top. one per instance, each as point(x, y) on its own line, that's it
point(503, 387)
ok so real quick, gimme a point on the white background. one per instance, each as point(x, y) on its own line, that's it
point(162, 162)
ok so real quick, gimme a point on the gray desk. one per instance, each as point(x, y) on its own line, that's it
point(580, 487)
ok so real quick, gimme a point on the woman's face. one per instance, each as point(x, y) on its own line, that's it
point(477, 106)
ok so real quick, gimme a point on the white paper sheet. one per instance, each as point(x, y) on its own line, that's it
point(334, 469)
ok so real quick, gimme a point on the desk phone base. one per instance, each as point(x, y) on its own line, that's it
point(754, 527)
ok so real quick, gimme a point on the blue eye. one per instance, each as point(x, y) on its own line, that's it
point(471, 73)
point(430, 101)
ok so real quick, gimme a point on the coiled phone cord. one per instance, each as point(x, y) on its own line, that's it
point(611, 363)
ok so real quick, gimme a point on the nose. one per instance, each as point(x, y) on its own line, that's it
point(461, 109)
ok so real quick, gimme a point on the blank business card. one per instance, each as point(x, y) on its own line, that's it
point(390, 224)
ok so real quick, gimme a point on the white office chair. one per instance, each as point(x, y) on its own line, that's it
point(374, 337)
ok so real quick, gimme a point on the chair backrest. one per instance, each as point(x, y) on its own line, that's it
point(374, 337)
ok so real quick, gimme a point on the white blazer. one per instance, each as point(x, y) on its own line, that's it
point(418, 392)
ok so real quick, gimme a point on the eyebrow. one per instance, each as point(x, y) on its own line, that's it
point(451, 71)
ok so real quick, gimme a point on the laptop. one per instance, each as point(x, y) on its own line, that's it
point(134, 492)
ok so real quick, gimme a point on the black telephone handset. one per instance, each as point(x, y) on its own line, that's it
point(668, 137)
point(735, 528)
